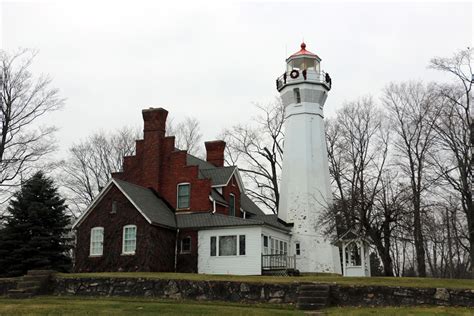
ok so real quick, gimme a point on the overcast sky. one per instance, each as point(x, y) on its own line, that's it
point(214, 60)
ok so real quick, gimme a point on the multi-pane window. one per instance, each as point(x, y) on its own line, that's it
point(231, 205)
point(184, 194)
point(129, 239)
point(228, 245)
point(97, 241)
point(186, 245)
point(298, 248)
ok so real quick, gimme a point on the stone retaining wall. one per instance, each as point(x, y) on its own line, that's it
point(259, 292)
point(7, 284)
point(399, 296)
point(178, 289)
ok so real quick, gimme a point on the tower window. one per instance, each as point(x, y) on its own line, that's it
point(296, 92)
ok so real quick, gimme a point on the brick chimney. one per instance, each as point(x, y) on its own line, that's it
point(155, 120)
point(215, 152)
point(153, 134)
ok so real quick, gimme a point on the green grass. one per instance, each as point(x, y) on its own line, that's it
point(49, 305)
point(134, 306)
point(387, 311)
point(381, 281)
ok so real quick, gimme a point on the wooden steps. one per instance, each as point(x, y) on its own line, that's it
point(313, 296)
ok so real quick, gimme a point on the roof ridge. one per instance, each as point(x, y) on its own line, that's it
point(216, 168)
point(139, 186)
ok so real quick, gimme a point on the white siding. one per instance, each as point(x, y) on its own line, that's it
point(248, 264)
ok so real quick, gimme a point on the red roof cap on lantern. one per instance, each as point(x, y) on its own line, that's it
point(303, 51)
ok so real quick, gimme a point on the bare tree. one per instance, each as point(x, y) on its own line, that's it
point(24, 99)
point(187, 135)
point(365, 196)
point(413, 111)
point(90, 164)
point(453, 128)
point(258, 150)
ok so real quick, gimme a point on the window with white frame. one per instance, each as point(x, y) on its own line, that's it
point(298, 248)
point(186, 245)
point(184, 194)
point(129, 239)
point(231, 205)
point(97, 241)
point(231, 245)
point(265, 245)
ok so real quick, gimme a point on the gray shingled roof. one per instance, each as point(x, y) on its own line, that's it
point(218, 197)
point(152, 206)
point(206, 219)
point(249, 206)
point(270, 220)
point(195, 161)
point(219, 176)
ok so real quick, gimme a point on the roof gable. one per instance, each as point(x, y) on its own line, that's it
point(150, 206)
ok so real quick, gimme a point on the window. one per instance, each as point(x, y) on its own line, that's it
point(231, 205)
point(281, 248)
point(213, 246)
point(186, 245)
point(114, 207)
point(272, 248)
point(296, 92)
point(265, 245)
point(129, 239)
point(242, 245)
point(285, 248)
point(298, 249)
point(353, 255)
point(227, 245)
point(184, 194)
point(97, 241)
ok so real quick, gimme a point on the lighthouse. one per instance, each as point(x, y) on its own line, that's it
point(305, 185)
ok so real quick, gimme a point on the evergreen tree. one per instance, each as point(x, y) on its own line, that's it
point(35, 233)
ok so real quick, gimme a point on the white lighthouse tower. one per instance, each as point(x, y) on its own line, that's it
point(305, 185)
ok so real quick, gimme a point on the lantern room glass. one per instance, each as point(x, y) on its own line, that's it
point(303, 63)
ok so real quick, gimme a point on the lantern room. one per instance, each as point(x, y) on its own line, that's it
point(303, 60)
point(303, 67)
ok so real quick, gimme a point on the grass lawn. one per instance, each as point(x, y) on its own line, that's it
point(134, 306)
point(49, 305)
point(383, 281)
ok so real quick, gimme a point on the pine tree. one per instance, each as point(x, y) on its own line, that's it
point(35, 233)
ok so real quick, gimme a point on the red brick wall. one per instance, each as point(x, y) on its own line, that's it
point(155, 245)
point(159, 166)
point(232, 188)
point(187, 262)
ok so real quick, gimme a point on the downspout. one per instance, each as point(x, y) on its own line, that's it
point(176, 251)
